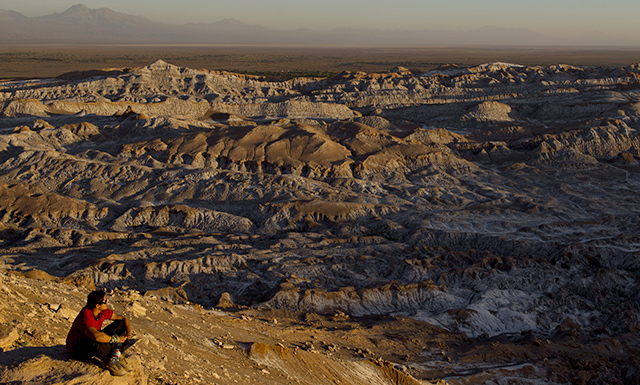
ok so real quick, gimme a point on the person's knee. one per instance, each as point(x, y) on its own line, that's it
point(121, 329)
point(118, 327)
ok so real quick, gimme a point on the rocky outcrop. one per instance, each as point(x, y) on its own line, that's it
point(178, 343)
point(182, 217)
point(55, 367)
point(489, 112)
point(20, 203)
point(309, 368)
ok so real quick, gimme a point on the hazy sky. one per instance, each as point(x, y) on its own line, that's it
point(616, 18)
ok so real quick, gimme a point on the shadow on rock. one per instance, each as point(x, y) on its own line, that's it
point(13, 357)
point(54, 365)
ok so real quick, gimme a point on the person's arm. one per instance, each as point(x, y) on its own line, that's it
point(99, 336)
point(116, 317)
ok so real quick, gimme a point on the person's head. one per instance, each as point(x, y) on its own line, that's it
point(96, 298)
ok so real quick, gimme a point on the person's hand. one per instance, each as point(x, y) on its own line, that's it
point(121, 339)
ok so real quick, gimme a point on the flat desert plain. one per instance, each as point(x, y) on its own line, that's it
point(33, 61)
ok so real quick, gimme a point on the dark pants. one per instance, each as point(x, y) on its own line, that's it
point(88, 348)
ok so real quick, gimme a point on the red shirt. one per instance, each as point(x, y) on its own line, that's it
point(83, 321)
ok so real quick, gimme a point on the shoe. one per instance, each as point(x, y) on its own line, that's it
point(129, 342)
point(115, 369)
point(125, 365)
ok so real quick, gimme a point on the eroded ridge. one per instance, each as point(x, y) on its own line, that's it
point(498, 201)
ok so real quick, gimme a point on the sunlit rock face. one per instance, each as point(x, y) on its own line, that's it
point(493, 200)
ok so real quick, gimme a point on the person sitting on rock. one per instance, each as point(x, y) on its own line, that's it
point(87, 339)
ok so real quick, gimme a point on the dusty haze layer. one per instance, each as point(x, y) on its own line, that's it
point(494, 206)
point(28, 61)
point(80, 24)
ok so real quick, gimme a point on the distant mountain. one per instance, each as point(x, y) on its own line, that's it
point(11, 15)
point(92, 17)
point(80, 24)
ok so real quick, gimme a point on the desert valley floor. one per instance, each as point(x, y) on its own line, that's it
point(462, 224)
